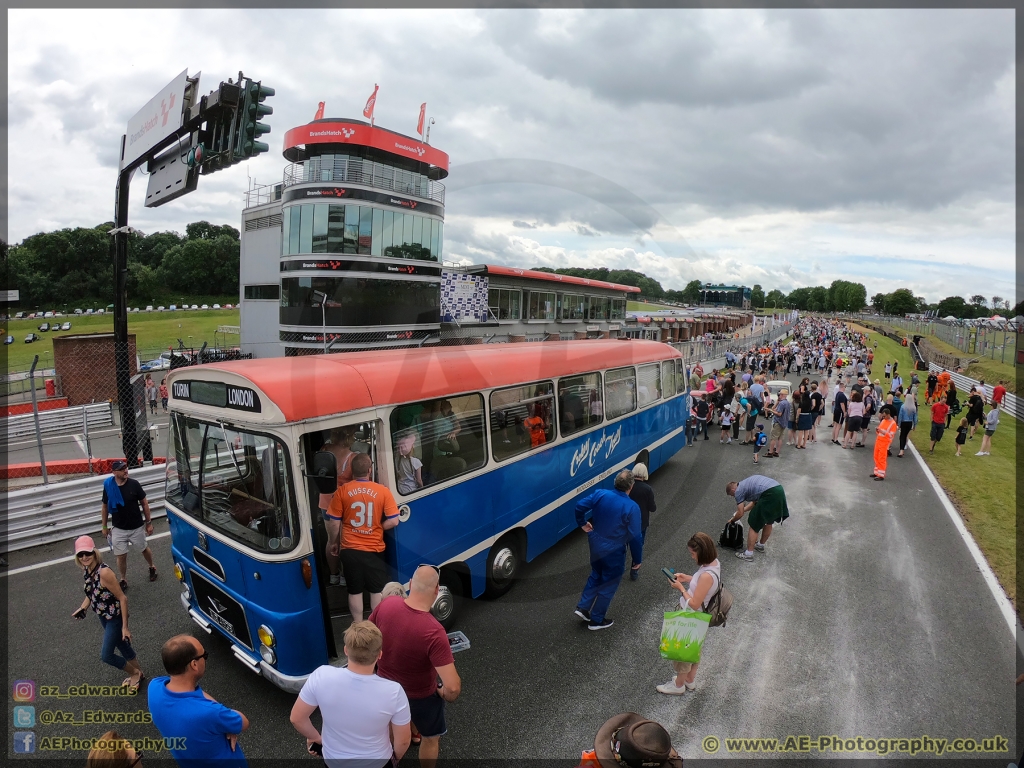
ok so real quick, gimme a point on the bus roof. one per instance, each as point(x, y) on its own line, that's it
point(320, 385)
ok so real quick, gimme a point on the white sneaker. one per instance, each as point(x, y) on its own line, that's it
point(759, 547)
point(670, 688)
point(742, 555)
point(981, 453)
point(690, 686)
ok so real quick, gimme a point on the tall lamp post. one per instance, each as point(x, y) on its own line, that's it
point(319, 297)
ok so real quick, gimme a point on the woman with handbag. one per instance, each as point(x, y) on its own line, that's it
point(695, 592)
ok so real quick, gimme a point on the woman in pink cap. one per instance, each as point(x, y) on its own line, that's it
point(104, 595)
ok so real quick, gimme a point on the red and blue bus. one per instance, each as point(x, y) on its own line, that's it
point(486, 449)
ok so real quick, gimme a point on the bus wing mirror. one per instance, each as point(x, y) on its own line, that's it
point(325, 472)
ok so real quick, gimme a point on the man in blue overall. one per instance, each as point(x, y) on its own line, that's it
point(612, 522)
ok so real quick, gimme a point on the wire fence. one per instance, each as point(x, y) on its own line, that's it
point(75, 425)
point(975, 341)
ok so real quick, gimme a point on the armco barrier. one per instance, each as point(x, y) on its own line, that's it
point(44, 405)
point(60, 420)
point(66, 467)
point(1010, 405)
point(63, 511)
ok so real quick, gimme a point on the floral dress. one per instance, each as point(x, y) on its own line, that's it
point(101, 599)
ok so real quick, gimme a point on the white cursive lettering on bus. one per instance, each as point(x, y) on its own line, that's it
point(591, 447)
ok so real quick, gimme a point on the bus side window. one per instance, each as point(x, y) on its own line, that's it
point(579, 402)
point(668, 378)
point(648, 384)
point(522, 418)
point(620, 392)
point(436, 440)
point(680, 377)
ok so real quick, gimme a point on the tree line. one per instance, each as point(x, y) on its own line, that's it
point(840, 296)
point(76, 265)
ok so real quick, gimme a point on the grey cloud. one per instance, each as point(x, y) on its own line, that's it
point(523, 224)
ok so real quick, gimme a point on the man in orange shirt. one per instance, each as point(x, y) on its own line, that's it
point(359, 513)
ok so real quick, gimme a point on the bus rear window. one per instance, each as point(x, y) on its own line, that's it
point(235, 481)
point(438, 439)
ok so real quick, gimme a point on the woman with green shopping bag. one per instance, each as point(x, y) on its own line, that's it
point(691, 620)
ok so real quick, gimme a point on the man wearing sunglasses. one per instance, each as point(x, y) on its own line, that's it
point(183, 711)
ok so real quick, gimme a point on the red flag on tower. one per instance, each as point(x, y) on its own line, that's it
point(370, 102)
point(319, 112)
point(419, 123)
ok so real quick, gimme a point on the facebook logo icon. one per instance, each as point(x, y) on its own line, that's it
point(24, 742)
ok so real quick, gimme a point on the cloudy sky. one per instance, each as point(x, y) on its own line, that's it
point(785, 148)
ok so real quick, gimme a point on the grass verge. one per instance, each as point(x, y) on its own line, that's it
point(986, 369)
point(982, 488)
point(153, 331)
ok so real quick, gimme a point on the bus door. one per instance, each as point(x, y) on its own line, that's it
point(248, 562)
point(344, 441)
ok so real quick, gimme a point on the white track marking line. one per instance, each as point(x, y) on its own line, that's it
point(80, 439)
point(1005, 606)
point(37, 566)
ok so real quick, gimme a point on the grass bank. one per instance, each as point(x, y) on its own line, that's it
point(153, 331)
point(983, 488)
point(986, 369)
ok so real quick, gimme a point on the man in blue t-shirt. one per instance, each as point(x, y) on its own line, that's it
point(206, 732)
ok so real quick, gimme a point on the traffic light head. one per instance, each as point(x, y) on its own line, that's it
point(250, 129)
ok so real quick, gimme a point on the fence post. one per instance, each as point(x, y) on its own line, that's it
point(35, 418)
point(85, 431)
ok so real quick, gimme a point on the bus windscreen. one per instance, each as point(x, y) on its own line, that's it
point(233, 480)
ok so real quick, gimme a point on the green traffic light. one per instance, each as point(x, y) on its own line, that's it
point(265, 90)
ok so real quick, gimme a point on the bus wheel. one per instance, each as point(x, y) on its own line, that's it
point(644, 457)
point(449, 598)
point(502, 566)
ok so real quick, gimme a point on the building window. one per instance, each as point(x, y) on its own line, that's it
point(574, 306)
point(618, 309)
point(324, 228)
point(522, 419)
point(600, 308)
point(358, 301)
point(268, 292)
point(504, 303)
point(540, 306)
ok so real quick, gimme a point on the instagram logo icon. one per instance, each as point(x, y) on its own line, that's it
point(24, 690)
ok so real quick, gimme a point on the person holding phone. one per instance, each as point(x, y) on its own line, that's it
point(694, 594)
point(104, 595)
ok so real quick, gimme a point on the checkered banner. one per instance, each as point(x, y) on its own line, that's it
point(463, 298)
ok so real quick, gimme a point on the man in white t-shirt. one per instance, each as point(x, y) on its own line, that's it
point(357, 707)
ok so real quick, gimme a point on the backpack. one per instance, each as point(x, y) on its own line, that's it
point(732, 536)
point(719, 606)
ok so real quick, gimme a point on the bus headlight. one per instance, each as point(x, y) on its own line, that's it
point(266, 636)
point(179, 574)
point(268, 655)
